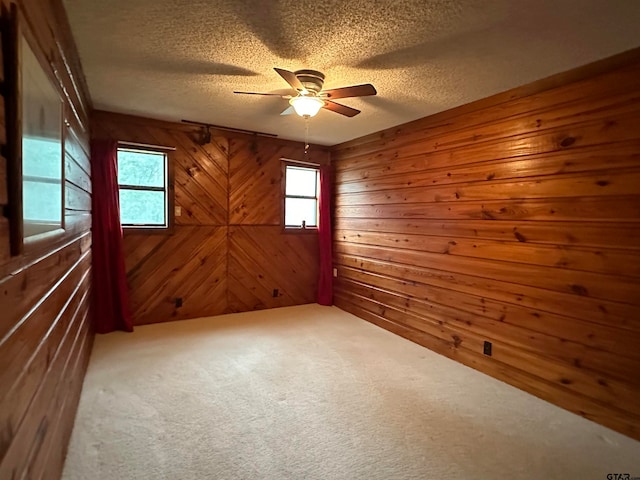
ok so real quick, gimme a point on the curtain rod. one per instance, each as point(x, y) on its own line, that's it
point(146, 145)
point(300, 162)
point(230, 129)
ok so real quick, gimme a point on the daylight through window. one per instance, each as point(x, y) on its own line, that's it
point(302, 186)
point(142, 180)
point(42, 159)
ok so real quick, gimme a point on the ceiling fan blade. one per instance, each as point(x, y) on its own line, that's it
point(288, 111)
point(265, 94)
point(290, 78)
point(341, 109)
point(352, 91)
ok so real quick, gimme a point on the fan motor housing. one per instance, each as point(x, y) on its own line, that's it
point(312, 80)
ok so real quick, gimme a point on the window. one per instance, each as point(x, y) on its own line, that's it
point(302, 186)
point(143, 183)
point(42, 152)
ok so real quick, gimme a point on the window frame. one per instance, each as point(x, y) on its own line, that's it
point(168, 189)
point(298, 164)
point(16, 31)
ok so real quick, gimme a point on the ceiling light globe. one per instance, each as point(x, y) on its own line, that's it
point(306, 106)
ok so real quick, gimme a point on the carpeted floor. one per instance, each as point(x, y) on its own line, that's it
point(312, 392)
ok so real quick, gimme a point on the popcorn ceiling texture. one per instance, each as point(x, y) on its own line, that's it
point(182, 59)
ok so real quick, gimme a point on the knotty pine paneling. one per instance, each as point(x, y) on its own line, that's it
point(190, 264)
point(262, 258)
point(200, 170)
point(227, 252)
point(45, 326)
point(514, 220)
point(255, 177)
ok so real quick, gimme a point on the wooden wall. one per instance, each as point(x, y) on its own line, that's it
point(514, 220)
point(227, 252)
point(45, 336)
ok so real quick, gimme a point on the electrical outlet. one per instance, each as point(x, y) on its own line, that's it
point(275, 292)
point(487, 348)
point(178, 302)
point(335, 272)
point(178, 211)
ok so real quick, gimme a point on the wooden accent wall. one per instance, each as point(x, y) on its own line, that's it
point(227, 252)
point(513, 220)
point(45, 333)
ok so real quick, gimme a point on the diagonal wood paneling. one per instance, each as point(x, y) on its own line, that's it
point(514, 220)
point(190, 264)
point(218, 259)
point(261, 259)
point(200, 170)
point(255, 178)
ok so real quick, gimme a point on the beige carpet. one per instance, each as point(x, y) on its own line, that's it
point(313, 392)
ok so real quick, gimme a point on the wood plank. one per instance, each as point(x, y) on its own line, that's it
point(196, 203)
point(622, 182)
point(53, 463)
point(583, 135)
point(617, 209)
point(417, 172)
point(77, 147)
point(4, 194)
point(76, 199)
point(26, 287)
point(29, 367)
point(587, 234)
point(137, 247)
point(24, 339)
point(605, 261)
point(35, 427)
point(51, 458)
point(5, 252)
point(599, 311)
point(76, 175)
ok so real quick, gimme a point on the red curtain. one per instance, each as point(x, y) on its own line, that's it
point(110, 293)
point(325, 282)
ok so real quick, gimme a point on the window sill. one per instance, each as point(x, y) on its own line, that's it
point(147, 231)
point(300, 230)
point(35, 244)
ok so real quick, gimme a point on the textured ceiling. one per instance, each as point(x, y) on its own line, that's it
point(182, 59)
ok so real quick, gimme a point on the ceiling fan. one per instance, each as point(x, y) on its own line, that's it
point(309, 97)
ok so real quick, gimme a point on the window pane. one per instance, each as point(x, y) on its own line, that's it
point(144, 169)
point(301, 181)
point(298, 209)
point(41, 157)
point(43, 203)
point(139, 207)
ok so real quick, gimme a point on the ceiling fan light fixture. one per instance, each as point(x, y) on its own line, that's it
point(306, 106)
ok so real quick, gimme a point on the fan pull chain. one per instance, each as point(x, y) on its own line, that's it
point(306, 134)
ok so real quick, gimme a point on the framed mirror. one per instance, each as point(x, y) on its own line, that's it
point(35, 146)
